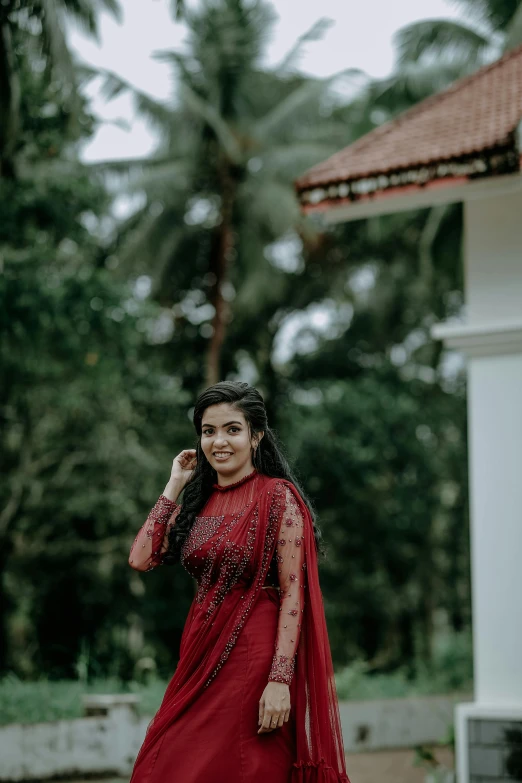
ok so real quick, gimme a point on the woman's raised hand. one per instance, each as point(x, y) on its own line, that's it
point(182, 469)
point(183, 466)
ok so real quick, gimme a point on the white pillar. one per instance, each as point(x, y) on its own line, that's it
point(492, 341)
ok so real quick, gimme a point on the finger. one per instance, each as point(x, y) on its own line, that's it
point(267, 721)
point(264, 728)
point(261, 712)
point(274, 722)
point(287, 716)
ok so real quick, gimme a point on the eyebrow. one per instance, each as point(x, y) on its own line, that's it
point(224, 425)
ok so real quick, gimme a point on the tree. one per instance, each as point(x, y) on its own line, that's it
point(35, 32)
point(87, 415)
point(233, 143)
point(433, 44)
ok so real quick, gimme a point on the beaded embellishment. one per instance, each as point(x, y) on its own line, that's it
point(228, 555)
point(156, 528)
point(202, 531)
point(225, 559)
point(282, 669)
point(274, 515)
point(291, 561)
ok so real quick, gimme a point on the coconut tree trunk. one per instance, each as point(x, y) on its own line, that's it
point(9, 100)
point(219, 263)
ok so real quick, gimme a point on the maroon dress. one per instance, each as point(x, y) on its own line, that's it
point(251, 550)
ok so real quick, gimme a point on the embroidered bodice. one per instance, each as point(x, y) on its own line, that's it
point(210, 530)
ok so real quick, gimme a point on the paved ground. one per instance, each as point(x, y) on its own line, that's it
point(395, 766)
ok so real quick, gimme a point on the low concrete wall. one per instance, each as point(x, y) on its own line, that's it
point(105, 742)
point(397, 723)
point(108, 739)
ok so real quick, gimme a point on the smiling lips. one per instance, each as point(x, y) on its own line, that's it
point(222, 455)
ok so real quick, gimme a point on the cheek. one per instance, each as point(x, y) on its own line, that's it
point(206, 445)
point(243, 444)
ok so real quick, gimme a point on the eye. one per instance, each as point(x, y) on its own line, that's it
point(207, 432)
point(235, 429)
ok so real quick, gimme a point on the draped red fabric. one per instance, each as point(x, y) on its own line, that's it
point(236, 571)
point(320, 750)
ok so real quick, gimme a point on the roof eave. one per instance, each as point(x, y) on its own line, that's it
point(385, 185)
point(399, 199)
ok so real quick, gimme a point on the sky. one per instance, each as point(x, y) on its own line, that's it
point(361, 36)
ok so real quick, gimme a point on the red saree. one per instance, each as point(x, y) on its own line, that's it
point(251, 540)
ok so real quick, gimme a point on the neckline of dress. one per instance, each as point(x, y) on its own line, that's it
point(224, 487)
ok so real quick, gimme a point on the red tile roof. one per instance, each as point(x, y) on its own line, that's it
point(468, 129)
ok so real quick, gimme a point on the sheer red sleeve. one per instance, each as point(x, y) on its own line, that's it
point(291, 562)
point(152, 540)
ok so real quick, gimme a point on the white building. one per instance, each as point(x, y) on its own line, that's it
point(463, 144)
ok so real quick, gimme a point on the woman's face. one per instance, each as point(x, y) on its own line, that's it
point(225, 440)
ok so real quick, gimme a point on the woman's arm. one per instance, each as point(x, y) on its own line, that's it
point(291, 562)
point(152, 540)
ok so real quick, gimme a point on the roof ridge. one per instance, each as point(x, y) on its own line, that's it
point(418, 108)
point(458, 84)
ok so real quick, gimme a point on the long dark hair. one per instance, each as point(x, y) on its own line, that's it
point(267, 459)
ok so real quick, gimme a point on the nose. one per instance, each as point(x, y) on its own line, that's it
point(219, 442)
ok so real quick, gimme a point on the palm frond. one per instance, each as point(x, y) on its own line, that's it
point(56, 43)
point(514, 31)
point(205, 111)
point(113, 7)
point(315, 33)
point(438, 38)
point(85, 73)
point(85, 13)
point(177, 9)
point(149, 243)
point(272, 205)
point(179, 61)
point(159, 114)
point(165, 181)
point(412, 83)
point(496, 15)
point(307, 93)
point(132, 166)
point(288, 161)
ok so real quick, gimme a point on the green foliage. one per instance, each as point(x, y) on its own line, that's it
point(45, 700)
point(87, 414)
point(100, 376)
point(450, 672)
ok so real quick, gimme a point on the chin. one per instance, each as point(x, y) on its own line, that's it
point(222, 467)
point(227, 467)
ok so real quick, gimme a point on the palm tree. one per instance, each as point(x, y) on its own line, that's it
point(496, 28)
point(232, 144)
point(37, 29)
point(431, 54)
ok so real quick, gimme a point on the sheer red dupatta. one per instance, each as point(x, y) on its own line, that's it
point(214, 625)
point(319, 749)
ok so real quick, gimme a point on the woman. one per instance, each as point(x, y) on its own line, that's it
point(253, 696)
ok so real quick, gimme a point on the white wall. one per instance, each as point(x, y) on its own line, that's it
point(493, 258)
point(110, 744)
point(493, 267)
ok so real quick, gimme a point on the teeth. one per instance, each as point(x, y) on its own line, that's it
point(222, 453)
